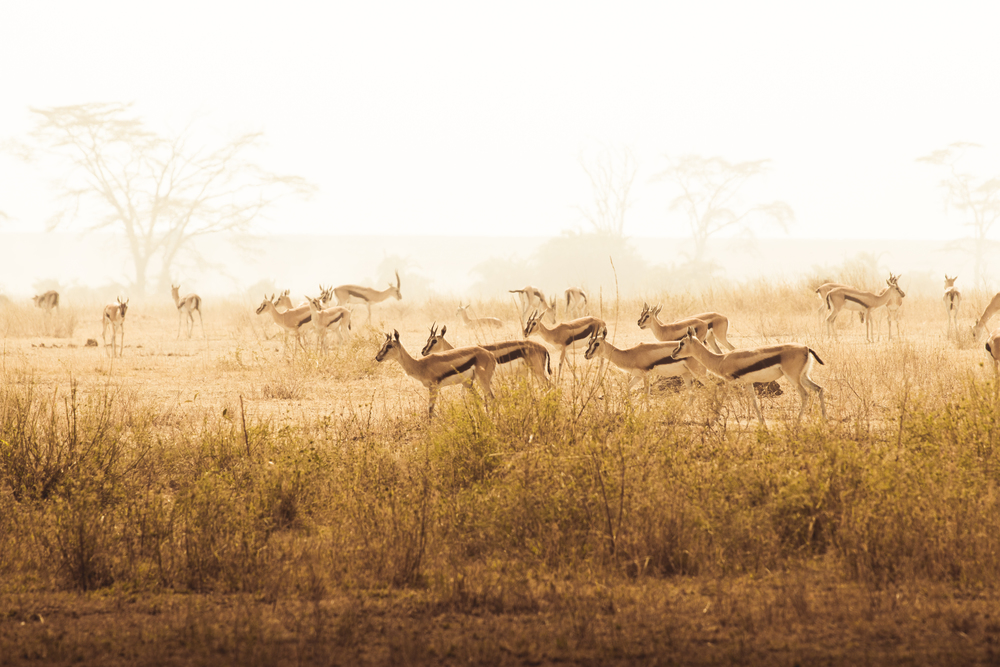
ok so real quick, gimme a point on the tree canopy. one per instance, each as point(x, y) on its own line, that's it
point(161, 192)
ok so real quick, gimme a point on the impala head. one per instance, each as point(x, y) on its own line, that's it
point(265, 303)
point(175, 290)
point(531, 325)
point(434, 340)
point(684, 345)
point(647, 314)
point(390, 347)
point(949, 282)
point(284, 301)
point(38, 300)
point(122, 306)
point(596, 340)
point(893, 283)
point(315, 305)
point(396, 293)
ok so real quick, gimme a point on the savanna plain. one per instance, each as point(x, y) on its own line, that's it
point(224, 499)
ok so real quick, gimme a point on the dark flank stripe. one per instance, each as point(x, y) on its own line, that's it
point(308, 319)
point(585, 333)
point(508, 356)
point(855, 300)
point(665, 361)
point(357, 295)
point(334, 320)
point(757, 366)
point(455, 370)
point(988, 349)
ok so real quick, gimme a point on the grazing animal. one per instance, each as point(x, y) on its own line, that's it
point(991, 310)
point(347, 294)
point(47, 301)
point(842, 298)
point(187, 306)
point(534, 355)
point(494, 322)
point(576, 302)
point(460, 365)
point(645, 359)
point(761, 364)
point(290, 321)
point(337, 318)
point(531, 299)
point(114, 316)
point(565, 335)
point(952, 299)
point(675, 330)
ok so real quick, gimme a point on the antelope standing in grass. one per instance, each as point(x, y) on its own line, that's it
point(565, 335)
point(825, 289)
point(367, 295)
point(952, 299)
point(704, 325)
point(284, 301)
point(531, 299)
point(114, 316)
point(290, 321)
point(187, 305)
point(991, 310)
point(534, 355)
point(576, 302)
point(47, 301)
point(761, 364)
point(842, 298)
point(337, 318)
point(493, 322)
point(645, 359)
point(460, 365)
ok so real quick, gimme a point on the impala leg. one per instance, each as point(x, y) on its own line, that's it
point(756, 405)
point(202, 321)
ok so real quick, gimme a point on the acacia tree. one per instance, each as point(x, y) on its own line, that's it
point(161, 192)
point(611, 174)
point(709, 195)
point(977, 198)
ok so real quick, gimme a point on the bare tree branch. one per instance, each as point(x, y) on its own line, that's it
point(611, 175)
point(158, 191)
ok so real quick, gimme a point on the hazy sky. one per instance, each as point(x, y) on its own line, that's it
point(468, 118)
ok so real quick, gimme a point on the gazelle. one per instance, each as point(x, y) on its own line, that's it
point(291, 321)
point(991, 310)
point(187, 306)
point(325, 319)
point(284, 301)
point(531, 299)
point(762, 364)
point(367, 295)
point(825, 289)
point(114, 316)
point(993, 349)
point(675, 330)
point(460, 365)
point(852, 299)
point(576, 302)
point(952, 300)
point(564, 335)
point(645, 359)
point(462, 312)
point(47, 301)
point(534, 355)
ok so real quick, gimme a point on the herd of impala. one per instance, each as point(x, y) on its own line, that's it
point(687, 348)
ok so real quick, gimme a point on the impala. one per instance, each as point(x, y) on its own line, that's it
point(565, 335)
point(187, 305)
point(645, 359)
point(762, 364)
point(290, 321)
point(842, 298)
point(534, 355)
point(367, 295)
point(460, 365)
point(114, 316)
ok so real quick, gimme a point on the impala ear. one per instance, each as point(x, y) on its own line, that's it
point(604, 332)
point(444, 327)
point(396, 335)
point(691, 333)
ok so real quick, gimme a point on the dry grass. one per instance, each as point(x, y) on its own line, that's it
point(228, 500)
